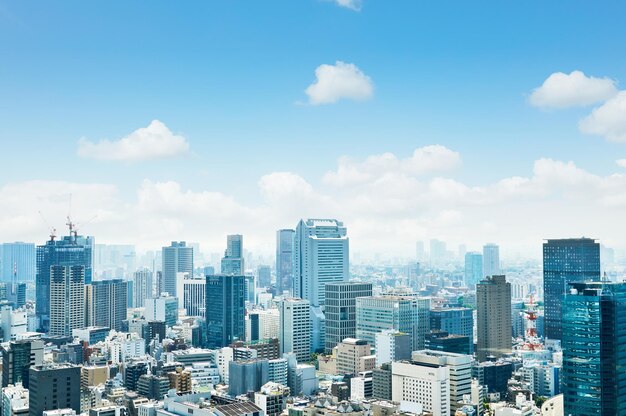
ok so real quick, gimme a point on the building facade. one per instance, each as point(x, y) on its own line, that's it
point(177, 258)
point(225, 310)
point(284, 260)
point(340, 310)
point(493, 302)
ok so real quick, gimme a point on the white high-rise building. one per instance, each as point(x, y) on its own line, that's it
point(320, 257)
point(67, 299)
point(191, 294)
point(295, 328)
point(392, 345)
point(460, 367)
point(142, 287)
point(491, 260)
point(263, 324)
point(421, 384)
point(14, 322)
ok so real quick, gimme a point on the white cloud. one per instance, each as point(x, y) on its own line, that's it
point(350, 4)
point(562, 90)
point(425, 160)
point(153, 142)
point(621, 163)
point(608, 120)
point(339, 81)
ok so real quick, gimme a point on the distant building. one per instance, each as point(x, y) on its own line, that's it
point(458, 321)
point(142, 287)
point(491, 260)
point(247, 376)
point(177, 258)
point(17, 262)
point(473, 268)
point(493, 296)
point(17, 358)
point(264, 276)
point(494, 375)
point(392, 345)
point(354, 356)
point(233, 262)
point(192, 295)
point(284, 260)
point(445, 342)
point(566, 261)
point(108, 303)
point(67, 299)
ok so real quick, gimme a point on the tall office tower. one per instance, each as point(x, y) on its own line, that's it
point(594, 335)
point(264, 276)
point(225, 310)
point(565, 261)
point(72, 250)
point(192, 295)
point(232, 262)
point(107, 303)
point(54, 387)
point(284, 260)
point(177, 258)
point(420, 254)
point(491, 260)
point(340, 310)
point(473, 268)
point(17, 358)
point(142, 287)
point(320, 257)
point(406, 314)
point(458, 321)
point(460, 370)
point(17, 262)
point(392, 345)
point(295, 328)
point(67, 299)
point(493, 304)
point(250, 289)
point(163, 308)
point(422, 384)
point(438, 251)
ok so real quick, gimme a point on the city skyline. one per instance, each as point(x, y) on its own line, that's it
point(417, 125)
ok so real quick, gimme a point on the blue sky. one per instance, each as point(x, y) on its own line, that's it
point(230, 77)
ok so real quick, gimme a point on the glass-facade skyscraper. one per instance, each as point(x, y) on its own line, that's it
point(491, 260)
point(232, 262)
point(566, 261)
point(17, 262)
point(72, 250)
point(284, 260)
point(225, 309)
point(473, 268)
point(177, 258)
point(594, 354)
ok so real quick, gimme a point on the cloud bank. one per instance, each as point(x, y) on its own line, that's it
point(339, 81)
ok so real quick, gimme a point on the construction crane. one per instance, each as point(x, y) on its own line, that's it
point(53, 231)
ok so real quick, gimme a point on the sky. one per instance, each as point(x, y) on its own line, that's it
point(469, 122)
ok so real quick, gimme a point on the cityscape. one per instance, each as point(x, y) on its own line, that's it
point(312, 208)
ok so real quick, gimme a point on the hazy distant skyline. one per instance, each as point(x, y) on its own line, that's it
point(465, 122)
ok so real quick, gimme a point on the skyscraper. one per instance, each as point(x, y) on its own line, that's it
point(72, 250)
point(163, 308)
point(177, 258)
point(295, 328)
point(565, 261)
point(232, 262)
point(67, 299)
point(17, 358)
point(594, 335)
point(491, 260)
point(284, 260)
point(493, 302)
point(340, 310)
point(320, 257)
point(458, 321)
point(264, 276)
point(192, 295)
point(17, 261)
point(142, 287)
point(438, 251)
point(225, 310)
point(108, 303)
point(473, 268)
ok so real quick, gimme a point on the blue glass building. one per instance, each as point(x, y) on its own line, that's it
point(566, 261)
point(457, 321)
point(17, 262)
point(225, 309)
point(72, 250)
point(473, 268)
point(593, 379)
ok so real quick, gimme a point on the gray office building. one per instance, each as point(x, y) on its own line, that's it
point(247, 376)
point(340, 310)
point(54, 387)
point(493, 301)
point(108, 303)
point(284, 260)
